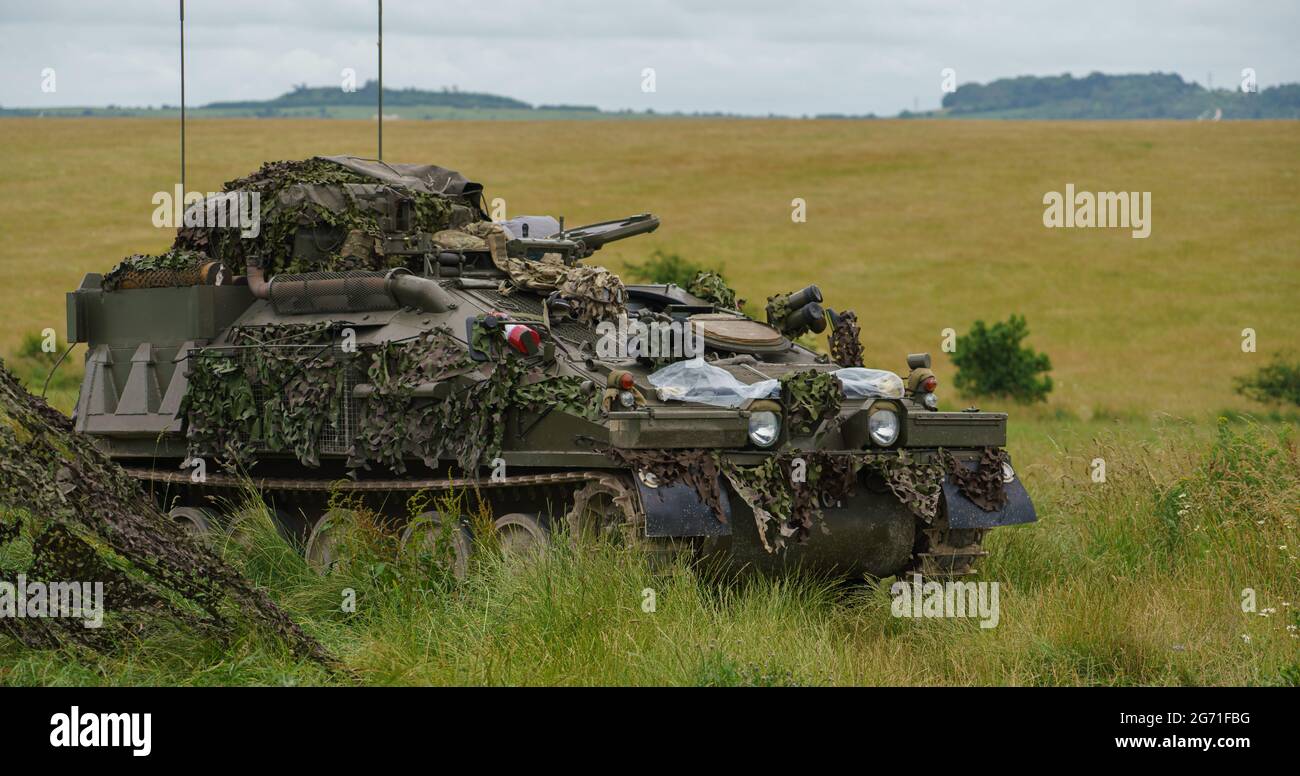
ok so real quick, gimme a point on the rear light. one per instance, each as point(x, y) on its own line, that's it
point(625, 381)
point(522, 338)
point(929, 384)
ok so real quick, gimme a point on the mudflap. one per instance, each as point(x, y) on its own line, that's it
point(676, 510)
point(870, 534)
point(963, 513)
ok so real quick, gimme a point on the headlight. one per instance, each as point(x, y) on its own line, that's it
point(627, 398)
point(764, 428)
point(882, 425)
point(930, 401)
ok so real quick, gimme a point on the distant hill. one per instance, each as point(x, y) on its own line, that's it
point(332, 102)
point(367, 96)
point(1099, 96)
point(1096, 96)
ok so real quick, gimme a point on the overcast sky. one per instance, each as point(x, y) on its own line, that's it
point(743, 56)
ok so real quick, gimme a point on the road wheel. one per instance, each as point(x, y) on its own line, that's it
point(521, 535)
point(196, 522)
point(605, 510)
point(428, 533)
point(328, 537)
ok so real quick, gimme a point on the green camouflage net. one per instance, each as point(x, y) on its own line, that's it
point(697, 468)
point(983, 485)
point(787, 491)
point(594, 293)
point(176, 267)
point(778, 309)
point(845, 340)
point(299, 372)
point(69, 515)
point(710, 287)
point(341, 214)
point(810, 398)
point(469, 425)
point(917, 484)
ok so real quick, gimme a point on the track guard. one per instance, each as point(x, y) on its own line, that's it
point(676, 510)
point(963, 513)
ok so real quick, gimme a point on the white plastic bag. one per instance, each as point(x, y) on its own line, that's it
point(860, 383)
point(697, 381)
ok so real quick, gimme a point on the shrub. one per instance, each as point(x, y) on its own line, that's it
point(666, 268)
point(1274, 383)
point(991, 362)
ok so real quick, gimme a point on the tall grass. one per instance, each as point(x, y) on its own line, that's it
point(1137, 580)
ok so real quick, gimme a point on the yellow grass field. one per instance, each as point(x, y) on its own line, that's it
point(918, 226)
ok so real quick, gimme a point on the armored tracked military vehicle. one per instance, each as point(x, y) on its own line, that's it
point(345, 325)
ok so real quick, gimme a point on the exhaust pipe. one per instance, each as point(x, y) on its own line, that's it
point(257, 282)
point(348, 292)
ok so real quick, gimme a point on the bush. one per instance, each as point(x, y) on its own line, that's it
point(1274, 383)
point(991, 362)
point(666, 268)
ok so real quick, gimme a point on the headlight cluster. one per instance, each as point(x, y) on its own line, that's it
point(883, 425)
point(764, 428)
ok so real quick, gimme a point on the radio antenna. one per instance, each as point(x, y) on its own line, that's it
point(182, 96)
point(381, 79)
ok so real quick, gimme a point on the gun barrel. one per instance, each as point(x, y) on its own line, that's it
point(594, 236)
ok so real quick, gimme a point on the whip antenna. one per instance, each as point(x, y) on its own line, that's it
point(182, 96)
point(381, 79)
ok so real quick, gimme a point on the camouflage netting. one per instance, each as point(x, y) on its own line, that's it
point(323, 198)
point(177, 267)
point(282, 391)
point(68, 514)
point(469, 425)
point(711, 287)
point(594, 293)
point(697, 468)
point(983, 485)
point(786, 509)
point(845, 340)
point(300, 373)
point(810, 398)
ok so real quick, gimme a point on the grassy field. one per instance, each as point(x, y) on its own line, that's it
point(917, 226)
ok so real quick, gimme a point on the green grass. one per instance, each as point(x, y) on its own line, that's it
point(1135, 581)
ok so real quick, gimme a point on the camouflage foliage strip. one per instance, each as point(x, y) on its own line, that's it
point(845, 340)
point(697, 468)
point(918, 485)
point(785, 506)
point(983, 485)
point(176, 267)
point(300, 375)
point(68, 514)
point(594, 293)
point(810, 398)
point(469, 425)
point(711, 287)
point(285, 209)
